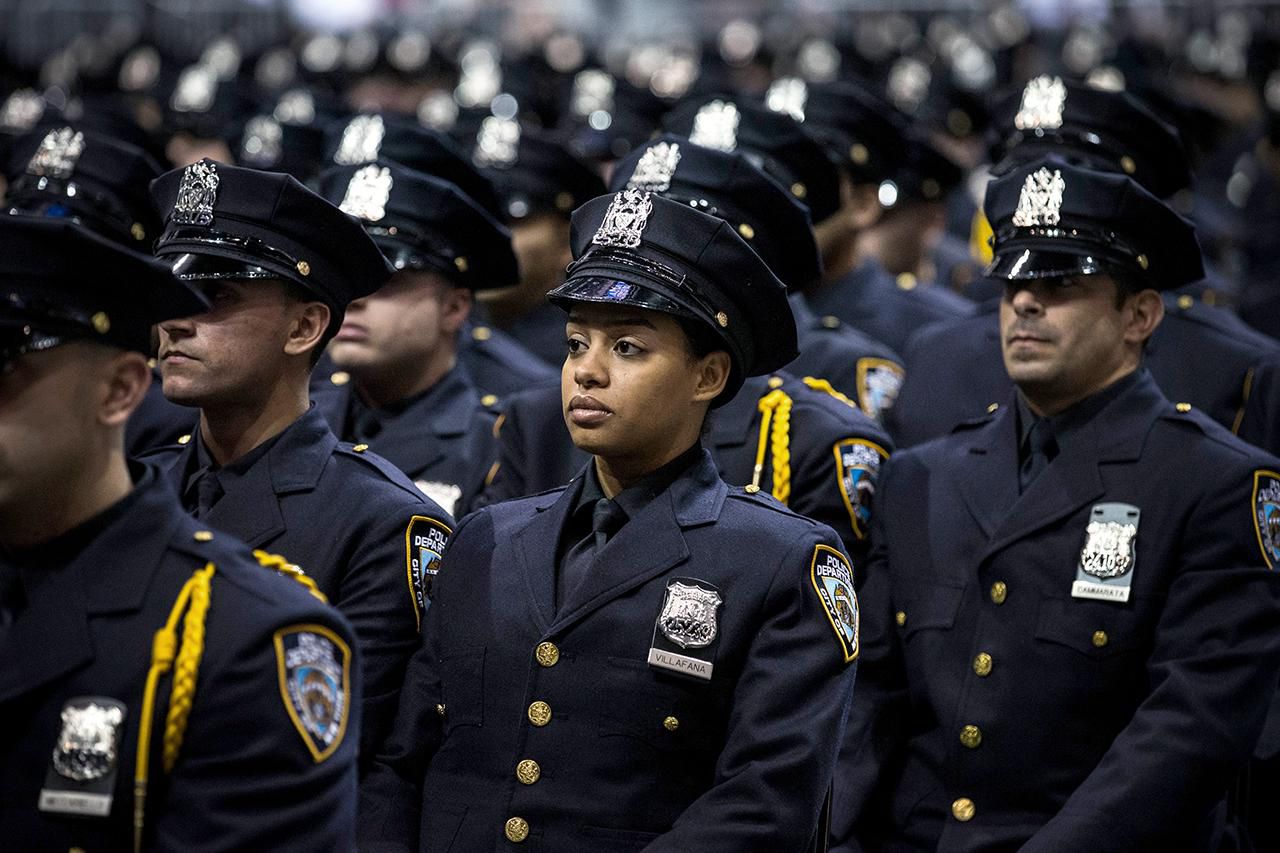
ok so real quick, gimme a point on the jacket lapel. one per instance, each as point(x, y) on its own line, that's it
point(986, 471)
point(535, 548)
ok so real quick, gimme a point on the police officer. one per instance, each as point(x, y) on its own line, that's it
point(598, 671)
point(397, 385)
point(1079, 651)
point(160, 688)
point(279, 264)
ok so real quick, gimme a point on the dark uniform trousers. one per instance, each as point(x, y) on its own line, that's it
point(443, 440)
point(997, 712)
point(521, 720)
point(1199, 354)
point(870, 300)
point(536, 453)
point(347, 519)
point(245, 778)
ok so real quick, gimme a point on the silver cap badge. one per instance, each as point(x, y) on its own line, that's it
point(1043, 100)
point(197, 194)
point(86, 745)
point(788, 95)
point(57, 155)
point(656, 168)
point(625, 220)
point(22, 110)
point(716, 126)
point(196, 89)
point(263, 142)
point(367, 193)
point(296, 106)
point(909, 82)
point(497, 143)
point(1040, 201)
point(688, 616)
point(361, 141)
point(593, 90)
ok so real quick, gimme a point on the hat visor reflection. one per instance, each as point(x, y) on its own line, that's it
point(1030, 264)
point(200, 267)
point(612, 290)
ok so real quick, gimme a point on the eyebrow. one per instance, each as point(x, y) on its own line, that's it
point(621, 321)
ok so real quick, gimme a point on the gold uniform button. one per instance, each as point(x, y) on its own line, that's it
point(747, 231)
point(517, 829)
point(830, 322)
point(971, 737)
point(202, 536)
point(751, 488)
point(184, 439)
point(671, 724)
point(992, 407)
point(1183, 407)
point(982, 664)
point(440, 710)
point(775, 382)
point(528, 771)
point(1127, 163)
point(999, 592)
point(340, 377)
point(539, 713)
point(481, 333)
point(488, 399)
point(907, 281)
point(547, 654)
point(900, 617)
point(963, 809)
point(1100, 639)
point(1185, 301)
point(360, 448)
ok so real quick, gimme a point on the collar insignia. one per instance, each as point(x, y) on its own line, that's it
point(1041, 199)
point(716, 126)
point(788, 95)
point(625, 220)
point(197, 194)
point(1042, 103)
point(57, 155)
point(367, 193)
point(361, 141)
point(656, 168)
point(497, 143)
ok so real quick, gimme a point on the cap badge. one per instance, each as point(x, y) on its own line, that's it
point(361, 141)
point(1041, 199)
point(367, 193)
point(57, 155)
point(497, 143)
point(1042, 103)
point(197, 194)
point(909, 82)
point(656, 168)
point(22, 110)
point(716, 126)
point(195, 91)
point(593, 91)
point(297, 106)
point(788, 95)
point(625, 220)
point(263, 142)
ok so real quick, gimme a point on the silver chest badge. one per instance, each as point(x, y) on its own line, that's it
point(656, 168)
point(367, 193)
point(1109, 554)
point(361, 141)
point(497, 143)
point(687, 626)
point(197, 194)
point(625, 220)
point(788, 95)
point(82, 773)
point(716, 126)
point(1040, 202)
point(58, 154)
point(1043, 101)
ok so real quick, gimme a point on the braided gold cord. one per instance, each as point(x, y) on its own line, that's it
point(293, 570)
point(825, 386)
point(187, 667)
point(775, 432)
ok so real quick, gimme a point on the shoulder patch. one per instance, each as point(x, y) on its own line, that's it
point(1266, 514)
point(879, 381)
point(858, 465)
point(832, 579)
point(424, 542)
point(314, 665)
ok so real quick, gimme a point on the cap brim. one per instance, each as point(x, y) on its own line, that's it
point(614, 290)
point(1029, 264)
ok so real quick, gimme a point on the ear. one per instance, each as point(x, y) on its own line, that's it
point(1146, 310)
point(713, 374)
point(310, 321)
point(126, 378)
point(455, 307)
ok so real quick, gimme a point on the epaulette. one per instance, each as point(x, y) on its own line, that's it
point(975, 422)
point(824, 386)
point(370, 458)
point(292, 570)
point(755, 496)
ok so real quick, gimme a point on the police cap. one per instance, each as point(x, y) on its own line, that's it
point(533, 170)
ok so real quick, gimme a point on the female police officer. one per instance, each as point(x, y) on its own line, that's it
point(645, 658)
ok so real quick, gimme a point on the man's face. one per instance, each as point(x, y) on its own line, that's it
point(628, 384)
point(1064, 338)
point(232, 353)
point(401, 326)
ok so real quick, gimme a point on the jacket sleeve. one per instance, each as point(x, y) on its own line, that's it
point(788, 711)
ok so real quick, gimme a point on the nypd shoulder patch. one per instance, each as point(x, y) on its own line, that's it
point(878, 383)
point(858, 462)
point(314, 665)
point(832, 578)
point(424, 542)
point(1266, 514)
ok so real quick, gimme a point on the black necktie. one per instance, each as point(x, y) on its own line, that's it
point(208, 491)
point(366, 425)
point(606, 518)
point(11, 594)
point(1041, 447)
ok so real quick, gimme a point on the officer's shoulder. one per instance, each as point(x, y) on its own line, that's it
point(824, 410)
point(364, 461)
point(509, 513)
point(165, 452)
point(1198, 432)
point(1185, 313)
point(751, 501)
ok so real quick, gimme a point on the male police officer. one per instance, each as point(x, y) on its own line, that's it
point(398, 386)
point(1079, 651)
point(279, 264)
point(647, 658)
point(159, 688)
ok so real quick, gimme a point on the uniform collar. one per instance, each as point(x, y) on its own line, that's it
point(446, 407)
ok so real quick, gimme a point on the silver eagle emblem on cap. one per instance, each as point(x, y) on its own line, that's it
point(625, 220)
point(497, 143)
point(86, 745)
point(1040, 201)
point(367, 193)
point(58, 154)
point(688, 616)
point(656, 168)
point(263, 142)
point(788, 95)
point(196, 89)
point(197, 194)
point(361, 140)
point(1043, 101)
point(716, 126)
